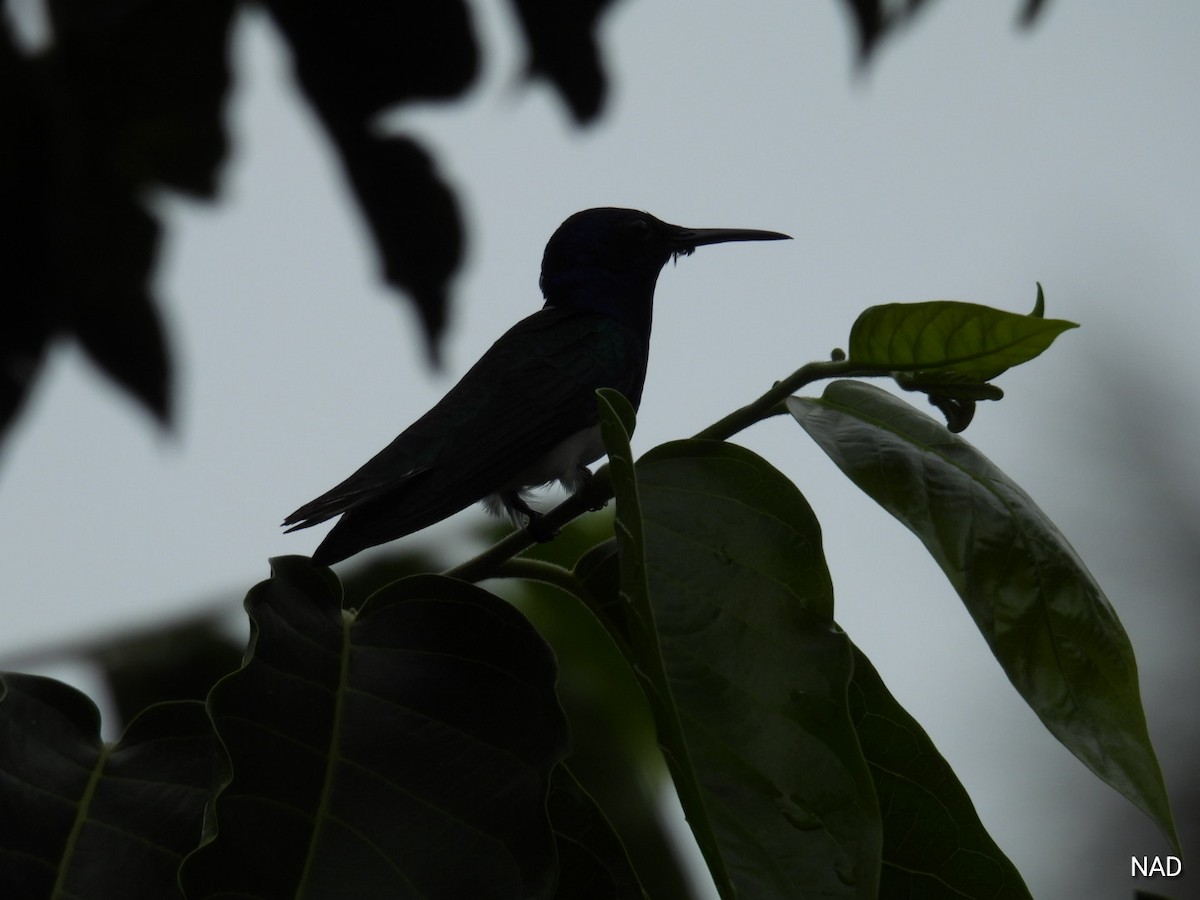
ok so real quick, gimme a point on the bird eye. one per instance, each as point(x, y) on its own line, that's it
point(637, 230)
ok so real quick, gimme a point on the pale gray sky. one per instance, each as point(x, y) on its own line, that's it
point(968, 162)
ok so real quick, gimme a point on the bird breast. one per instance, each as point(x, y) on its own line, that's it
point(563, 462)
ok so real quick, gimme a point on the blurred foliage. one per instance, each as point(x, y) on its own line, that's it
point(127, 98)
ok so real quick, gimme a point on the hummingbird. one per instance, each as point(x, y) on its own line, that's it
point(525, 414)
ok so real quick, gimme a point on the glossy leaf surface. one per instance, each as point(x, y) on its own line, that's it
point(1042, 613)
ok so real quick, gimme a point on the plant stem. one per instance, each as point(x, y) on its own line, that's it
point(598, 491)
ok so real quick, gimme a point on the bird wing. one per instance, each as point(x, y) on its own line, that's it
point(534, 387)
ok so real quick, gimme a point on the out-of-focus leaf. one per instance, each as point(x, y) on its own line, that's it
point(110, 250)
point(1042, 613)
point(179, 661)
point(357, 58)
point(32, 313)
point(934, 846)
point(1030, 12)
point(413, 216)
point(876, 19)
point(364, 745)
point(144, 84)
point(614, 756)
point(126, 98)
point(563, 49)
point(87, 819)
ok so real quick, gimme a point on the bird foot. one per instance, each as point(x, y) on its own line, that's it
point(583, 478)
point(516, 505)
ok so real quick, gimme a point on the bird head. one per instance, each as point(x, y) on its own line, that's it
point(608, 259)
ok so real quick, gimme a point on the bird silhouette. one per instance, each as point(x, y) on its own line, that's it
point(525, 414)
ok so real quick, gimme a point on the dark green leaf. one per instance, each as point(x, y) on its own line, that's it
point(593, 863)
point(616, 424)
point(614, 755)
point(934, 846)
point(757, 671)
point(404, 751)
point(943, 340)
point(83, 818)
point(731, 612)
point(1040, 610)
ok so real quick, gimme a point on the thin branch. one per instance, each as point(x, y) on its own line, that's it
point(598, 491)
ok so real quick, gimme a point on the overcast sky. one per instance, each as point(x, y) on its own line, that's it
point(969, 162)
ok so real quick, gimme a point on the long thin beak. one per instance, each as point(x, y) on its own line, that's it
point(686, 239)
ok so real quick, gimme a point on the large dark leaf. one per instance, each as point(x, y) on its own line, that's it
point(108, 246)
point(746, 672)
point(1042, 613)
point(126, 98)
point(934, 846)
point(357, 58)
point(82, 818)
point(31, 313)
point(563, 49)
point(413, 216)
point(142, 87)
point(401, 751)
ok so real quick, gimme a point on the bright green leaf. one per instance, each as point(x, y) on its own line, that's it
point(1040, 610)
point(946, 340)
point(1039, 305)
point(363, 746)
point(934, 846)
point(82, 818)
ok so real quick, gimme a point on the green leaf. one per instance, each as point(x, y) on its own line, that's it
point(946, 341)
point(746, 672)
point(83, 818)
point(1042, 613)
point(758, 671)
point(363, 746)
point(616, 424)
point(593, 862)
point(934, 845)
